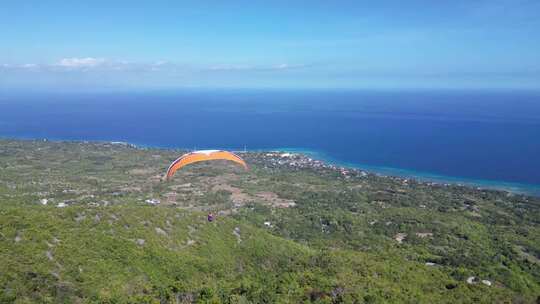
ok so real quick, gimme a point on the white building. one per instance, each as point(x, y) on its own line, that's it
point(152, 201)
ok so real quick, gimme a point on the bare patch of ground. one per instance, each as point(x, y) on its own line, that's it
point(181, 187)
point(275, 200)
point(141, 171)
point(131, 189)
point(237, 195)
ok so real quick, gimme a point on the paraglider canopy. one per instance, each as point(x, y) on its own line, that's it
point(203, 155)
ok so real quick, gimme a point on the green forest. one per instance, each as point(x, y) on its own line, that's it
point(77, 226)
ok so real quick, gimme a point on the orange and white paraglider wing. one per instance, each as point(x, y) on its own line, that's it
point(204, 155)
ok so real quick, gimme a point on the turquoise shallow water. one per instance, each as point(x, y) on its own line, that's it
point(518, 188)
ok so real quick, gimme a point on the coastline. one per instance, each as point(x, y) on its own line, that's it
point(424, 177)
point(511, 187)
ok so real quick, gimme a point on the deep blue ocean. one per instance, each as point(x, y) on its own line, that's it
point(486, 138)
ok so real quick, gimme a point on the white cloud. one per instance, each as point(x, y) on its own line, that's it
point(29, 66)
point(102, 64)
point(282, 66)
point(230, 67)
point(94, 64)
point(26, 66)
point(88, 62)
point(285, 66)
point(159, 63)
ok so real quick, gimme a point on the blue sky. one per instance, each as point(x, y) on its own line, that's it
point(100, 45)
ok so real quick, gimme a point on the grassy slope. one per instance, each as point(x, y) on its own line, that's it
point(335, 245)
point(92, 255)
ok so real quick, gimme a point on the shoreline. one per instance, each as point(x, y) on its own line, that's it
point(511, 187)
point(383, 171)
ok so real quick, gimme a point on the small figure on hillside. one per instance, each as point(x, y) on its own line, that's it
point(210, 217)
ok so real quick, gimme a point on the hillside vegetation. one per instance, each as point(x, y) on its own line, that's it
point(76, 226)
